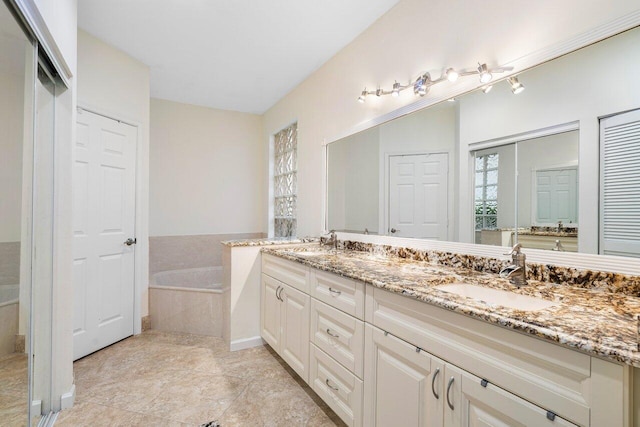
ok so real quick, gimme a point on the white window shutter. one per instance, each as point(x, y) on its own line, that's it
point(620, 185)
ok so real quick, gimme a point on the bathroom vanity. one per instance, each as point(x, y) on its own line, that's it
point(381, 342)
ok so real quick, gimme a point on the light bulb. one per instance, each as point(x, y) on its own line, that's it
point(452, 75)
point(396, 89)
point(485, 75)
point(487, 88)
point(516, 86)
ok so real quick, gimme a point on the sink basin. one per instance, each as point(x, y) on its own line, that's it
point(497, 297)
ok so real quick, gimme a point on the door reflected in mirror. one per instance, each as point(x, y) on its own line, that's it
point(534, 180)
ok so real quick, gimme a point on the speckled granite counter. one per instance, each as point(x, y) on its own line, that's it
point(268, 242)
point(592, 321)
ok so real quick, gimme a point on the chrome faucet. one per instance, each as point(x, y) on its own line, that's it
point(517, 271)
point(332, 240)
point(560, 225)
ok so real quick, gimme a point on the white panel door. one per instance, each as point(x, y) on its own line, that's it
point(418, 196)
point(103, 219)
point(556, 196)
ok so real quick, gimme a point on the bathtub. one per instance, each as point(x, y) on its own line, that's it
point(9, 298)
point(189, 300)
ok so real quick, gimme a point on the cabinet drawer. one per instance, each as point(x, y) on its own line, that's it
point(553, 377)
point(338, 387)
point(344, 294)
point(288, 272)
point(488, 402)
point(341, 336)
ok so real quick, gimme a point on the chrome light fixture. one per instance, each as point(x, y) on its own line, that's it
point(396, 89)
point(423, 83)
point(485, 75)
point(363, 96)
point(516, 86)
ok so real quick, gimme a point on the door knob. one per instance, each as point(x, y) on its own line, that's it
point(130, 241)
point(393, 230)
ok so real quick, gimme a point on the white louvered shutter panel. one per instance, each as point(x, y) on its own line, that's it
point(620, 185)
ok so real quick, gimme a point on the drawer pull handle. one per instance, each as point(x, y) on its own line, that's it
point(448, 390)
point(280, 289)
point(330, 386)
point(433, 383)
point(334, 291)
point(332, 334)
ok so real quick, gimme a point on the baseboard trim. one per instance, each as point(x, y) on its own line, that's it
point(246, 343)
point(67, 400)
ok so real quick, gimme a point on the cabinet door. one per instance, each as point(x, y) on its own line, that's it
point(452, 400)
point(399, 381)
point(294, 327)
point(489, 405)
point(270, 311)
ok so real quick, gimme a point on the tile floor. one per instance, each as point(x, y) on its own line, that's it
point(172, 379)
point(13, 390)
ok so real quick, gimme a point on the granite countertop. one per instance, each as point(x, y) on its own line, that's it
point(598, 323)
point(269, 241)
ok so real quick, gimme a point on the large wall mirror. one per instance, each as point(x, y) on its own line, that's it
point(497, 167)
point(27, 121)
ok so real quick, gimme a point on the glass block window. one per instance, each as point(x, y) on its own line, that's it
point(284, 181)
point(486, 192)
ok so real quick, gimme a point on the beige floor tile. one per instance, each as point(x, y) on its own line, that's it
point(173, 379)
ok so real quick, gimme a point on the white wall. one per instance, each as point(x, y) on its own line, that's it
point(353, 182)
point(406, 41)
point(579, 87)
point(206, 171)
point(114, 84)
point(11, 122)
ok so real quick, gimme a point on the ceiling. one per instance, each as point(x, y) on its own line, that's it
point(240, 55)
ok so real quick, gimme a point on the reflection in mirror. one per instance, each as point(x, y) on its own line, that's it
point(560, 97)
point(548, 192)
point(16, 86)
point(494, 195)
point(396, 178)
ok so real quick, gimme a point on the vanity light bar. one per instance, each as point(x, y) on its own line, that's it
point(424, 82)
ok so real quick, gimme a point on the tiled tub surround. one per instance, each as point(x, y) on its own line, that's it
point(187, 300)
point(182, 252)
point(588, 318)
point(187, 306)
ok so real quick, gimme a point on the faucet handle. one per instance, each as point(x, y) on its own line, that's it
point(515, 250)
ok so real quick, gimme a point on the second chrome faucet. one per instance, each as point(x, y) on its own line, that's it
point(517, 271)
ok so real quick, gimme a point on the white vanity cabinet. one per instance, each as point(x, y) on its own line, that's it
point(284, 318)
point(378, 358)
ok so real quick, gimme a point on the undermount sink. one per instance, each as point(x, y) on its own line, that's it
point(497, 297)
